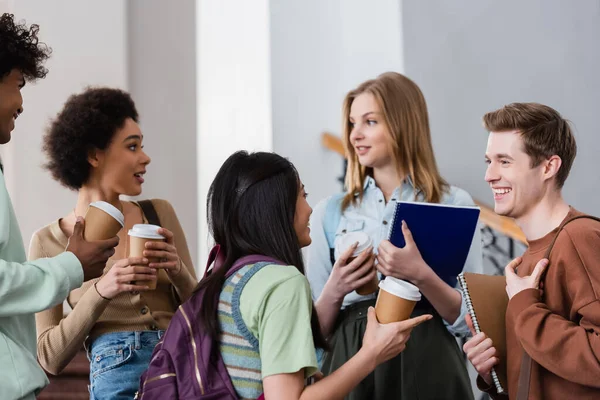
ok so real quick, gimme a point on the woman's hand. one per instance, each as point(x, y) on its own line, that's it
point(386, 341)
point(402, 263)
point(123, 275)
point(346, 277)
point(165, 252)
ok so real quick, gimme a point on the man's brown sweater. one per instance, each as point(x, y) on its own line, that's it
point(558, 326)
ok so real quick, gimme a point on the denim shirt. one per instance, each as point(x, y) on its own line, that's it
point(372, 216)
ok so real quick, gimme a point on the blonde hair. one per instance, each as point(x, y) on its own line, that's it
point(405, 113)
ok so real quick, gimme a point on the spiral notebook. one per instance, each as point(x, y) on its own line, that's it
point(443, 234)
point(486, 299)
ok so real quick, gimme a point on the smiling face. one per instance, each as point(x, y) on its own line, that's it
point(517, 187)
point(301, 218)
point(11, 103)
point(369, 136)
point(121, 166)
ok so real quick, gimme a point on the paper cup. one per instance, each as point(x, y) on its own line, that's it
point(396, 300)
point(364, 242)
point(102, 221)
point(138, 236)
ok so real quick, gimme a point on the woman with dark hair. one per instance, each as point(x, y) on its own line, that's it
point(265, 319)
point(94, 146)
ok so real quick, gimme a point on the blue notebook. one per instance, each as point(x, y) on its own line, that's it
point(443, 234)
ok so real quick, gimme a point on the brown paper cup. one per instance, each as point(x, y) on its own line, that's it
point(100, 225)
point(390, 308)
point(396, 300)
point(137, 245)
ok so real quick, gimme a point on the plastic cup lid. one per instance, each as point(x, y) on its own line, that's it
point(110, 210)
point(146, 231)
point(400, 288)
point(344, 242)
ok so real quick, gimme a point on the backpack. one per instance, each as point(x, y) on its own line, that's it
point(187, 364)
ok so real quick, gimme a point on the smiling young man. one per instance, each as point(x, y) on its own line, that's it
point(529, 154)
point(29, 287)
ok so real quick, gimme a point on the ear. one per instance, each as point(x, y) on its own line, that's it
point(94, 157)
point(551, 167)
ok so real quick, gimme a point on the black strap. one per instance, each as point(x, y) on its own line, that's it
point(149, 212)
point(526, 362)
point(332, 256)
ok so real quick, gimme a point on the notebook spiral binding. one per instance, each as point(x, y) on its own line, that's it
point(471, 310)
point(393, 223)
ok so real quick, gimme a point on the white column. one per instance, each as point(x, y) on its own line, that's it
point(233, 89)
point(162, 80)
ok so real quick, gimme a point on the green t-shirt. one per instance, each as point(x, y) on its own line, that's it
point(276, 307)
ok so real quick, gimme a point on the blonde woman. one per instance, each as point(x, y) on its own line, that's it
point(390, 158)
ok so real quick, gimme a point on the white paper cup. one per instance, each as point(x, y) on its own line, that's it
point(364, 242)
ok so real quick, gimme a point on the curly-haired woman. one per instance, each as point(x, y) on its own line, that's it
point(94, 146)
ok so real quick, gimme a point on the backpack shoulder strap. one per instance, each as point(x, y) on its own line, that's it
point(562, 227)
point(149, 211)
point(216, 259)
point(251, 259)
point(333, 214)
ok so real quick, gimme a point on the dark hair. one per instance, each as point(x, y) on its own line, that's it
point(88, 121)
point(21, 50)
point(251, 207)
point(544, 131)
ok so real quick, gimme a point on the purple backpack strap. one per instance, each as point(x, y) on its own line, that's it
point(251, 259)
point(217, 258)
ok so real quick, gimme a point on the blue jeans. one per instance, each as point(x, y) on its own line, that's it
point(117, 360)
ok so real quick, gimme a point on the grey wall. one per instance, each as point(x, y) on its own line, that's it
point(473, 56)
point(320, 50)
point(162, 80)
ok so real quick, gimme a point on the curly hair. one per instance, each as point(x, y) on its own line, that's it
point(88, 121)
point(20, 49)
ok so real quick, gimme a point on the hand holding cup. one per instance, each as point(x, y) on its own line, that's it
point(163, 253)
point(123, 275)
point(347, 276)
point(92, 255)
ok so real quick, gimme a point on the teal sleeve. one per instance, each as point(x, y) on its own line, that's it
point(34, 286)
point(276, 305)
point(30, 287)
